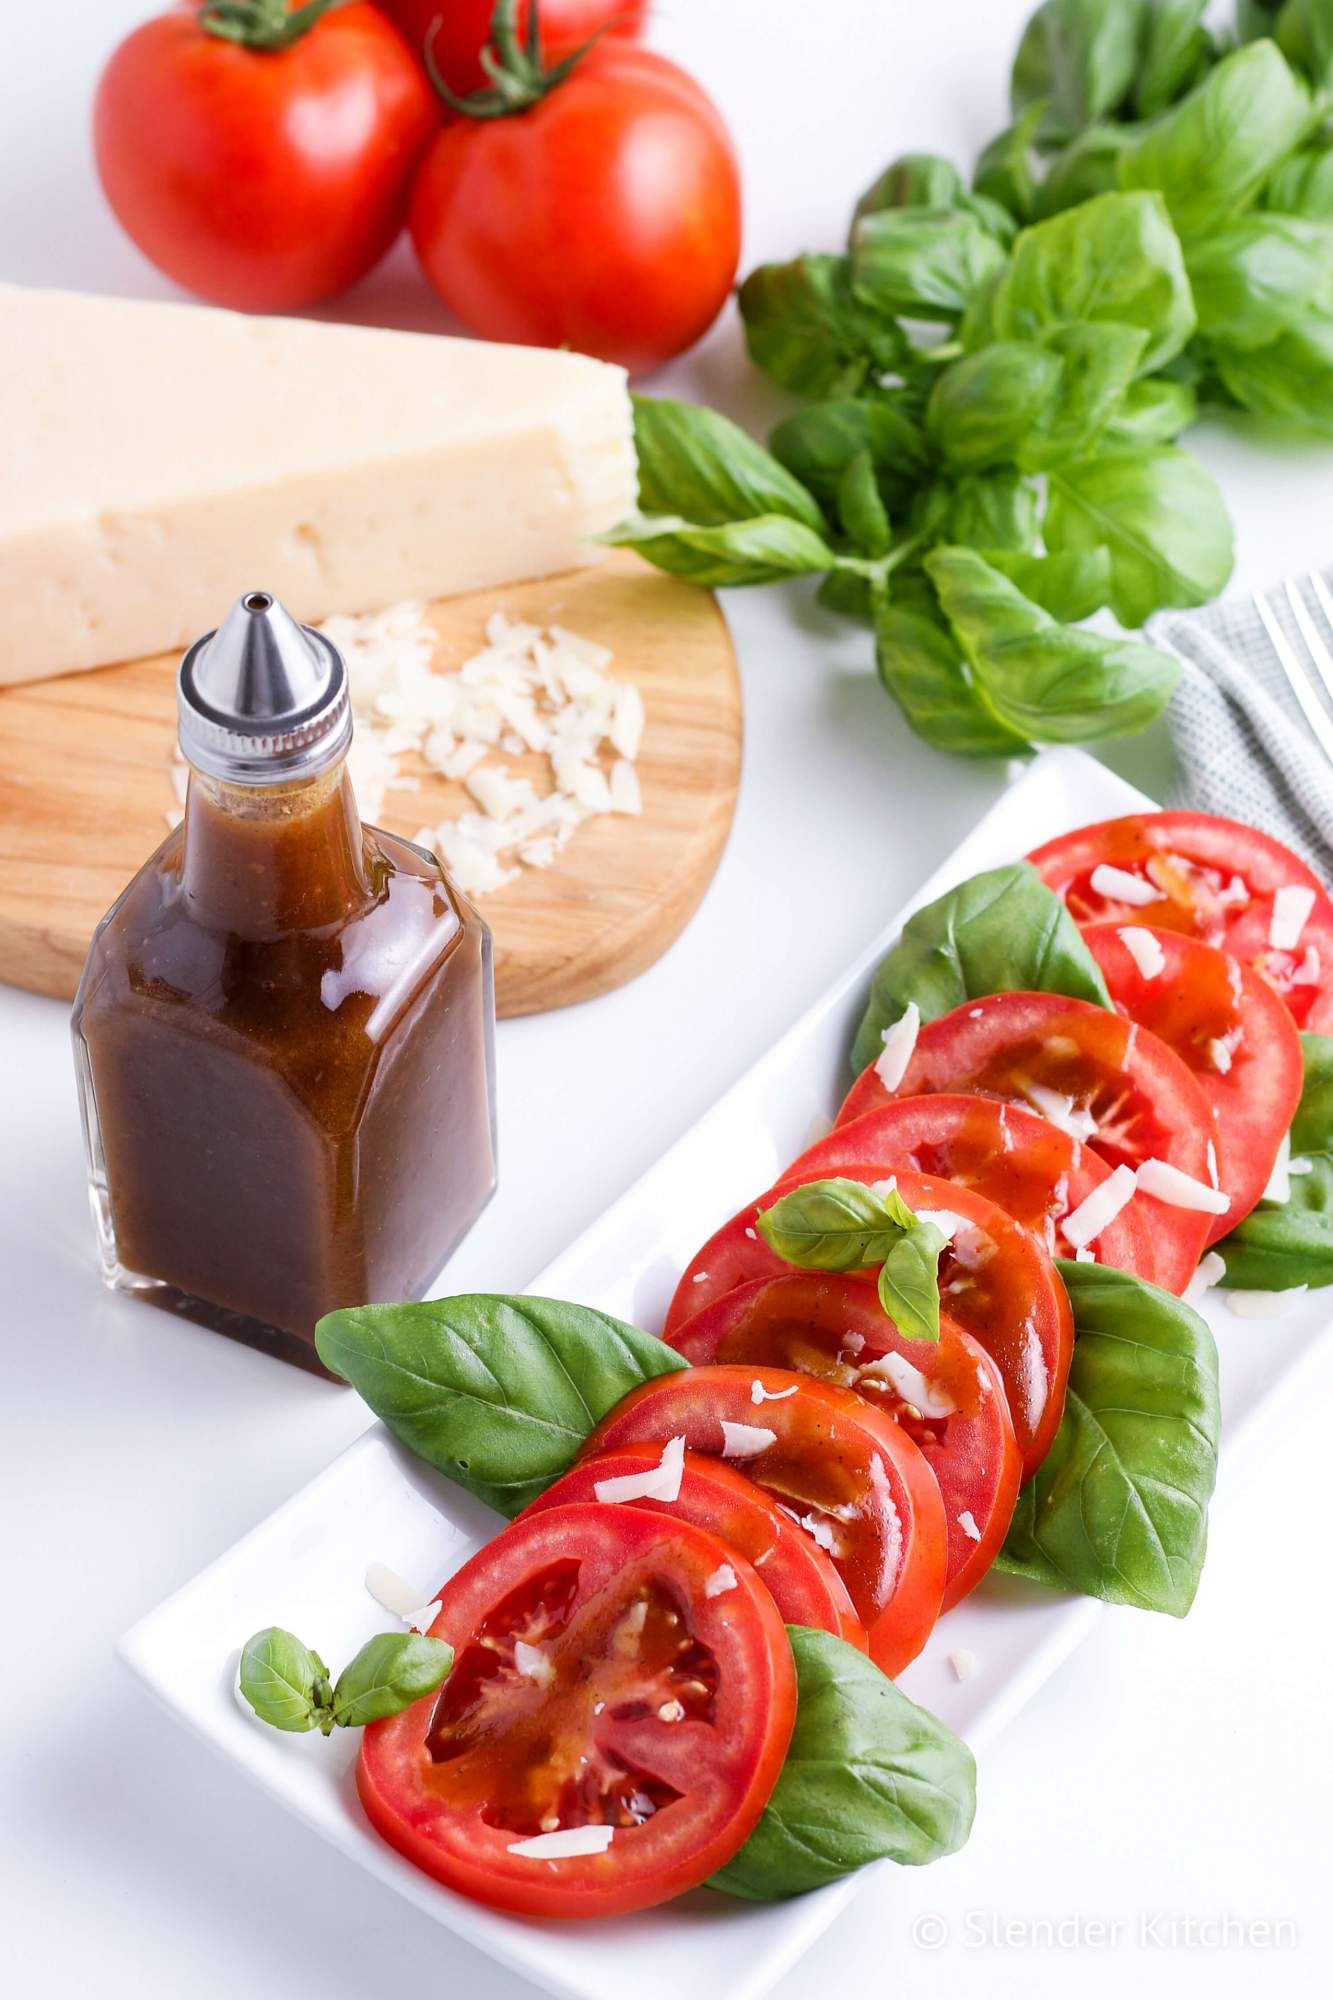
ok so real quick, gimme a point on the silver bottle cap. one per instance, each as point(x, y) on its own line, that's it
point(263, 700)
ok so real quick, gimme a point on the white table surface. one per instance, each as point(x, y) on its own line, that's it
point(1172, 1775)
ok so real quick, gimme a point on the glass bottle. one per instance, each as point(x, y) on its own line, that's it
point(284, 1029)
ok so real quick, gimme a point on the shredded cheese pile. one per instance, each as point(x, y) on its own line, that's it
point(528, 689)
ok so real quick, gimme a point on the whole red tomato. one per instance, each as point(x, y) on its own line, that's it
point(264, 177)
point(605, 217)
point(465, 26)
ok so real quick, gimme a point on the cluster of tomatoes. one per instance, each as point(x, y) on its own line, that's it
point(576, 190)
point(813, 1466)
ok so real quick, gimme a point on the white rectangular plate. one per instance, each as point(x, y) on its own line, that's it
point(303, 1567)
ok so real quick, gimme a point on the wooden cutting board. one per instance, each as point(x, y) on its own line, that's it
point(85, 787)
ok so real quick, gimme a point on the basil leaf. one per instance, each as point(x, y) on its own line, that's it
point(1119, 1507)
point(285, 1684)
point(1113, 258)
point(817, 445)
point(1004, 167)
point(1152, 413)
point(1305, 36)
point(984, 406)
point(761, 550)
point(868, 1776)
point(915, 180)
point(1086, 167)
point(862, 512)
point(924, 262)
point(1098, 364)
point(1210, 155)
point(499, 1393)
point(1290, 380)
point(805, 327)
point(1160, 515)
point(1057, 683)
point(1080, 54)
point(1303, 185)
point(698, 465)
point(1002, 931)
point(921, 664)
point(1255, 278)
point(1071, 585)
point(993, 510)
point(1177, 49)
point(1279, 1245)
point(834, 1225)
point(847, 592)
point(391, 1671)
point(909, 1281)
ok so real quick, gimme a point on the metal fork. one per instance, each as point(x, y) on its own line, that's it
point(1310, 681)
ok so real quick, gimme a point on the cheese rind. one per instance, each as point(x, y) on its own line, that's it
point(161, 459)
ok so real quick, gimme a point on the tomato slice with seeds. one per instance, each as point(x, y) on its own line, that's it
point(995, 1280)
point(1129, 1096)
point(596, 1685)
point(1013, 1156)
point(948, 1397)
point(1214, 879)
point(1231, 1029)
point(801, 1580)
point(846, 1472)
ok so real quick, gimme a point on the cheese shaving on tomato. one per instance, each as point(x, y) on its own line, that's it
point(1292, 905)
point(1098, 1210)
point(944, 1220)
point(1179, 1189)
point(1211, 1271)
point(911, 1385)
point(759, 1394)
point(422, 1619)
point(720, 1581)
point(745, 1440)
point(967, 1521)
point(1219, 1054)
point(533, 1663)
point(1263, 1305)
point(1279, 1181)
point(1085, 1254)
point(659, 1482)
point(1145, 950)
point(1119, 886)
point(1309, 971)
point(899, 1042)
point(1074, 1120)
point(565, 1843)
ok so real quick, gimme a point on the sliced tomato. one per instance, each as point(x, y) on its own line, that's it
point(948, 1395)
point(852, 1479)
point(1013, 1156)
point(802, 1581)
point(1214, 879)
point(1123, 1090)
point(1230, 1028)
point(644, 1706)
point(995, 1280)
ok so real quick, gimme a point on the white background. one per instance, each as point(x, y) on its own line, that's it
point(1170, 1768)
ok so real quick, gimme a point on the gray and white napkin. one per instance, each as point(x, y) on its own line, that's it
point(1243, 745)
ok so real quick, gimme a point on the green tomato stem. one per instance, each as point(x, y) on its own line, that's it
point(264, 25)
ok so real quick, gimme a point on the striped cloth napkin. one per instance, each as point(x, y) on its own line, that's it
point(1243, 746)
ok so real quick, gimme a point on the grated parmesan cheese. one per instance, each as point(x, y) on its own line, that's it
point(1181, 1190)
point(1292, 905)
point(967, 1521)
point(899, 1042)
point(745, 1440)
point(1098, 1210)
point(565, 1842)
point(1119, 886)
point(911, 1385)
point(759, 1394)
point(1144, 948)
point(720, 1581)
point(525, 692)
point(1211, 1271)
point(533, 1663)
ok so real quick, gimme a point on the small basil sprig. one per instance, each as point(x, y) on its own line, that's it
point(868, 1776)
point(500, 1393)
point(287, 1684)
point(1118, 1509)
point(1002, 931)
point(1283, 1244)
point(843, 1225)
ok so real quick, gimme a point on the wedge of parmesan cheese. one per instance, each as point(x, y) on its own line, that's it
point(160, 459)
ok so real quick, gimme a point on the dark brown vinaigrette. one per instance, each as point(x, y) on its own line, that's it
point(284, 1033)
